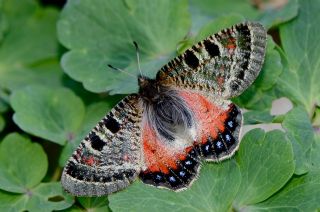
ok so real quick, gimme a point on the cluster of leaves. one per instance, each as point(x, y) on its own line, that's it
point(45, 111)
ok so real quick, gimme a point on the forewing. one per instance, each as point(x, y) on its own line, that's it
point(109, 158)
point(224, 64)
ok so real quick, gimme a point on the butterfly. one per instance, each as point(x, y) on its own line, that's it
point(183, 116)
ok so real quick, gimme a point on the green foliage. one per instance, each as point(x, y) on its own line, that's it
point(154, 26)
point(42, 111)
point(52, 111)
point(300, 39)
point(21, 173)
point(264, 164)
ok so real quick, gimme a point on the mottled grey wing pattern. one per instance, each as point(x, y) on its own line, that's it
point(224, 64)
point(109, 158)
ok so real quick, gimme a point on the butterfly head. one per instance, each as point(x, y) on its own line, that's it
point(149, 89)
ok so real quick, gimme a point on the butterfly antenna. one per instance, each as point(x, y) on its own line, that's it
point(118, 69)
point(138, 56)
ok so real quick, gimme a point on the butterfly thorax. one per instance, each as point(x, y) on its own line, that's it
point(165, 111)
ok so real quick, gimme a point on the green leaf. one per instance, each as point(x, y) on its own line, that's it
point(157, 26)
point(4, 101)
point(222, 7)
point(55, 114)
point(203, 10)
point(23, 164)
point(300, 194)
point(44, 197)
point(260, 94)
point(300, 132)
point(19, 49)
point(316, 118)
point(299, 80)
point(213, 191)
point(94, 113)
point(257, 117)
point(314, 156)
point(2, 123)
point(3, 22)
point(273, 17)
point(266, 164)
point(94, 204)
point(46, 72)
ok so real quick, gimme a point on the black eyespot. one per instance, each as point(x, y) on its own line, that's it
point(147, 177)
point(75, 171)
point(112, 124)
point(229, 139)
point(121, 105)
point(206, 149)
point(244, 67)
point(231, 124)
point(105, 179)
point(234, 111)
point(191, 59)
point(211, 48)
point(190, 164)
point(96, 142)
point(129, 173)
point(240, 74)
point(173, 181)
point(118, 176)
point(219, 147)
point(158, 178)
point(184, 175)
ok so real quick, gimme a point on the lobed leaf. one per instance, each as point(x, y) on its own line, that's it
point(23, 164)
point(157, 26)
point(300, 194)
point(94, 203)
point(300, 41)
point(213, 191)
point(55, 114)
point(44, 197)
point(257, 117)
point(205, 10)
point(274, 17)
point(266, 164)
point(313, 154)
point(300, 133)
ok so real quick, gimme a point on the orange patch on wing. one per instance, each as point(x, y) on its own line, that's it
point(90, 161)
point(231, 43)
point(210, 117)
point(157, 156)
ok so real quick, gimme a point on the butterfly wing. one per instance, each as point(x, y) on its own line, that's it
point(224, 64)
point(109, 158)
point(203, 79)
point(213, 134)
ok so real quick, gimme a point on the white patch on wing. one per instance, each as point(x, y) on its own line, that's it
point(184, 138)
